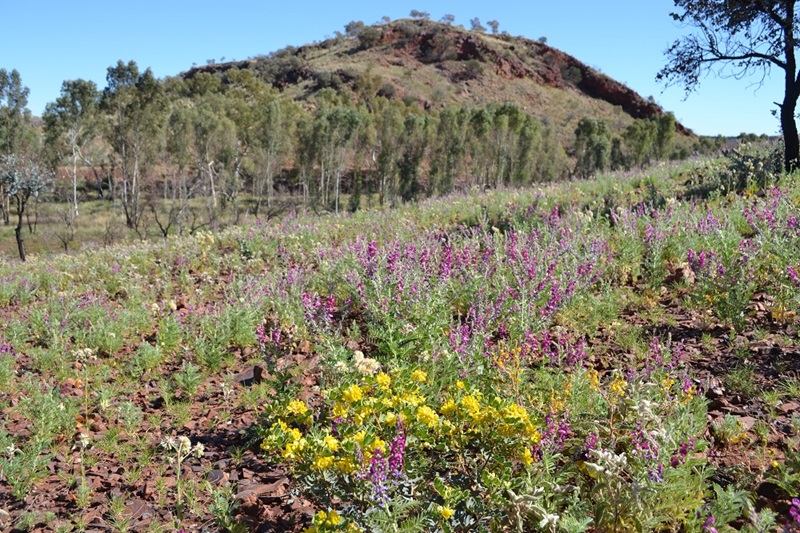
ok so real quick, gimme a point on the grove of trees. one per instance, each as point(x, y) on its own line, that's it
point(184, 153)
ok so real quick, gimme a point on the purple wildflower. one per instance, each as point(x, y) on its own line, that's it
point(590, 443)
point(377, 475)
point(642, 446)
point(794, 511)
point(397, 449)
point(793, 276)
point(656, 475)
point(554, 435)
point(708, 525)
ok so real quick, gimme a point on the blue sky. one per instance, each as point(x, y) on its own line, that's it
point(56, 40)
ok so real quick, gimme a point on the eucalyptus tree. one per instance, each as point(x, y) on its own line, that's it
point(14, 120)
point(339, 128)
point(388, 141)
point(665, 134)
point(481, 124)
point(549, 160)
point(137, 110)
point(509, 151)
point(246, 98)
point(70, 124)
point(449, 149)
point(592, 146)
point(181, 177)
point(640, 139)
point(306, 156)
point(22, 179)
point(416, 130)
point(214, 150)
point(14, 113)
point(276, 130)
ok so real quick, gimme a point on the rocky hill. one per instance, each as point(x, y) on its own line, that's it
point(437, 64)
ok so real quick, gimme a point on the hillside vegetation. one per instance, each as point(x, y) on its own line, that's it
point(618, 354)
point(438, 65)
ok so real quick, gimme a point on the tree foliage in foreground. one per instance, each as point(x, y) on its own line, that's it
point(740, 38)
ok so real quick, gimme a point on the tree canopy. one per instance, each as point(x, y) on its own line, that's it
point(740, 38)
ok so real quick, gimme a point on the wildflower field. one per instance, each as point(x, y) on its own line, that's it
point(619, 354)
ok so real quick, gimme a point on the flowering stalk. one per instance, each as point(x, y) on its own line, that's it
point(182, 447)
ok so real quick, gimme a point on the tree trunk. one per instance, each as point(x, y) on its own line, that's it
point(6, 208)
point(791, 143)
point(18, 235)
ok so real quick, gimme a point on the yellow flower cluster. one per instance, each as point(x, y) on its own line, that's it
point(445, 512)
point(593, 377)
point(617, 385)
point(383, 380)
point(297, 408)
point(367, 412)
point(427, 416)
point(419, 375)
point(352, 394)
point(323, 521)
point(294, 449)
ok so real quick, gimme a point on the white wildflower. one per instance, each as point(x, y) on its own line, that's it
point(199, 450)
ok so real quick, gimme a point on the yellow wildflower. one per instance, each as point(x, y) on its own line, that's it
point(471, 404)
point(446, 512)
point(352, 394)
point(427, 416)
point(556, 402)
point(330, 443)
point(594, 379)
point(345, 466)
point(506, 430)
point(533, 433)
point(448, 408)
point(320, 518)
point(515, 412)
point(339, 410)
point(460, 384)
point(617, 385)
point(527, 457)
point(390, 419)
point(297, 408)
point(359, 437)
point(334, 519)
point(688, 394)
point(323, 462)
point(295, 434)
point(413, 399)
point(293, 450)
point(419, 375)
point(378, 443)
point(383, 380)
